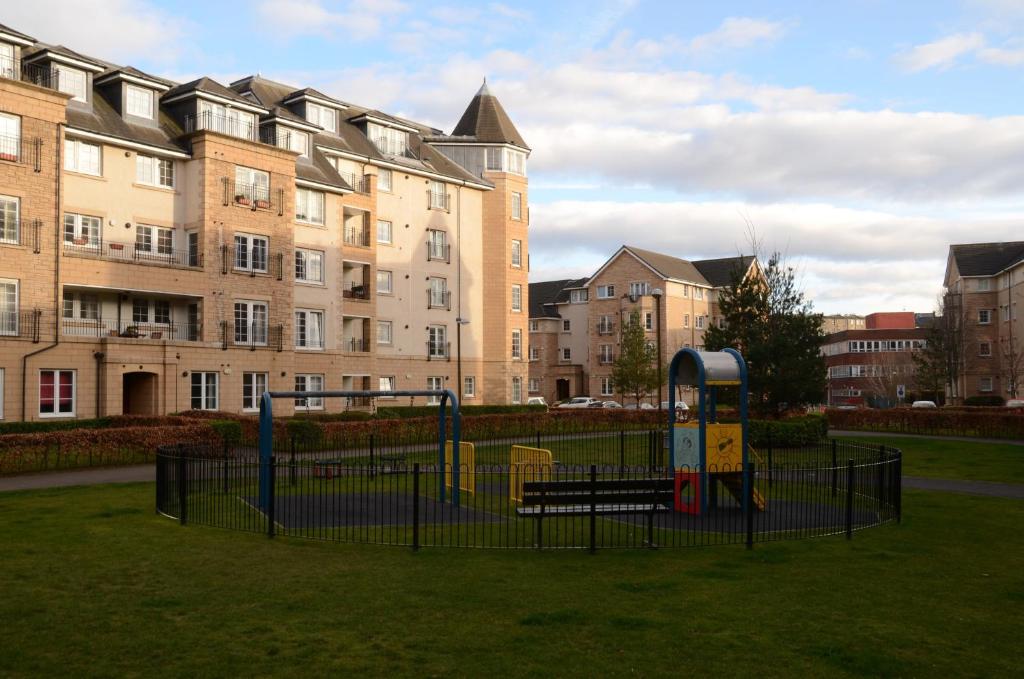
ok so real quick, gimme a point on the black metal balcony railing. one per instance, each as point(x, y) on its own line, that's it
point(254, 335)
point(20, 231)
point(22, 150)
point(355, 291)
point(436, 350)
point(359, 183)
point(37, 74)
point(253, 196)
point(393, 147)
point(308, 342)
point(269, 265)
point(215, 122)
point(439, 299)
point(438, 252)
point(355, 344)
point(357, 236)
point(127, 329)
point(27, 324)
point(136, 253)
point(605, 327)
point(438, 201)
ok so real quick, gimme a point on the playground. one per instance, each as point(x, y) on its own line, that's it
point(703, 484)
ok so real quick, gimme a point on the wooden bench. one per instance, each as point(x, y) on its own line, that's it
point(596, 496)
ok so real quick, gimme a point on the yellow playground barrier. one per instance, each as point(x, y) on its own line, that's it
point(527, 464)
point(467, 466)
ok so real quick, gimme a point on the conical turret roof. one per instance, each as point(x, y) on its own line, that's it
point(486, 120)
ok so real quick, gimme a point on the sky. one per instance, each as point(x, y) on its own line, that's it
point(858, 138)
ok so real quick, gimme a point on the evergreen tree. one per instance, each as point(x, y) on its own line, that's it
point(768, 320)
point(635, 372)
point(931, 364)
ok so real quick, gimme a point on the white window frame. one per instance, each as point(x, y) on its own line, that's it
point(606, 291)
point(72, 81)
point(517, 344)
point(436, 191)
point(533, 385)
point(437, 341)
point(255, 183)
point(434, 383)
point(304, 318)
point(982, 382)
point(981, 349)
point(385, 333)
point(382, 183)
point(388, 279)
point(386, 383)
point(77, 160)
point(307, 382)
point(648, 320)
point(154, 240)
point(517, 297)
point(89, 225)
point(388, 140)
point(249, 263)
point(9, 326)
point(517, 206)
point(10, 218)
point(469, 386)
point(517, 253)
point(57, 373)
point(639, 288)
point(320, 115)
point(566, 354)
point(154, 171)
point(135, 96)
point(207, 379)
point(581, 296)
point(534, 353)
point(310, 206)
point(309, 261)
point(438, 292)
point(517, 390)
point(226, 120)
point(700, 322)
point(254, 335)
point(389, 228)
point(984, 316)
point(607, 388)
point(10, 136)
point(566, 325)
point(698, 293)
point(252, 390)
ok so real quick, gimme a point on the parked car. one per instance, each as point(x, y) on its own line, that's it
point(846, 407)
point(1015, 403)
point(923, 404)
point(536, 401)
point(612, 404)
point(679, 405)
point(579, 402)
point(642, 406)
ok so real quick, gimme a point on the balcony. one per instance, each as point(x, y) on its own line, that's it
point(439, 201)
point(355, 344)
point(393, 147)
point(37, 74)
point(359, 237)
point(273, 264)
point(359, 183)
point(135, 253)
point(439, 299)
point(28, 324)
point(355, 291)
point(20, 231)
point(254, 335)
point(439, 252)
point(99, 327)
point(605, 327)
point(439, 351)
point(255, 197)
point(208, 120)
point(22, 150)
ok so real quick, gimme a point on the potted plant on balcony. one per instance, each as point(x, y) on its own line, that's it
point(7, 155)
point(130, 331)
point(262, 203)
point(81, 241)
point(116, 246)
point(242, 199)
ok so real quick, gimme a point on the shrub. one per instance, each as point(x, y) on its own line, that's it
point(401, 412)
point(304, 432)
point(991, 400)
point(986, 422)
point(797, 431)
point(229, 431)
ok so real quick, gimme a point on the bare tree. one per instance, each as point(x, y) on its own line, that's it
point(1013, 364)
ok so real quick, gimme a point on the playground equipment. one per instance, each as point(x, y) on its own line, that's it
point(444, 397)
point(527, 464)
point(467, 457)
point(704, 451)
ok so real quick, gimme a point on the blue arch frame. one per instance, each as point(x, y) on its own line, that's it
point(703, 406)
point(266, 430)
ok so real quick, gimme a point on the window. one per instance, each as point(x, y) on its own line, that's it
point(309, 266)
point(251, 185)
point(534, 326)
point(578, 296)
point(71, 81)
point(309, 329)
point(383, 231)
point(638, 289)
point(566, 354)
point(606, 355)
point(88, 306)
point(686, 291)
point(534, 353)
point(517, 345)
point(434, 384)
point(309, 383)
point(700, 321)
point(56, 393)
point(140, 102)
point(10, 217)
point(648, 321)
point(515, 162)
point(384, 179)
point(231, 121)
point(162, 311)
point(384, 332)
point(985, 384)
point(517, 254)
point(384, 282)
point(250, 323)
point(437, 198)
point(438, 293)
point(10, 136)
point(469, 386)
point(192, 238)
point(566, 325)
point(81, 156)
point(293, 140)
point(686, 320)
point(984, 285)
point(81, 230)
point(140, 311)
point(386, 383)
point(387, 139)
point(253, 386)
point(437, 345)
point(154, 239)
point(605, 291)
point(322, 116)
point(984, 316)
point(698, 293)
point(154, 171)
point(533, 385)
point(251, 252)
point(204, 390)
point(985, 349)
point(517, 206)
point(494, 159)
point(517, 390)
point(606, 386)
point(309, 206)
point(437, 245)
point(517, 297)
point(8, 307)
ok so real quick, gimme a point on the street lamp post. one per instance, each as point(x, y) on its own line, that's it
point(656, 293)
point(459, 322)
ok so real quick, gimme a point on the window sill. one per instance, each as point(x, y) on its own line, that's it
point(310, 284)
point(314, 225)
point(57, 416)
point(247, 272)
point(155, 187)
point(86, 175)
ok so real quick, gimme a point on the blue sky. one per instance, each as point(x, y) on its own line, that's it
point(859, 137)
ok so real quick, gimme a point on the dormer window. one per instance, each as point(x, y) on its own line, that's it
point(323, 116)
point(293, 140)
point(139, 102)
point(500, 159)
point(6, 60)
point(71, 81)
point(388, 140)
point(230, 121)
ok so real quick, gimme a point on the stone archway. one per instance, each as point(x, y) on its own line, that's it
point(140, 393)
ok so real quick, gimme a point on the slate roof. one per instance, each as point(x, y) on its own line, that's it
point(718, 272)
point(486, 121)
point(63, 51)
point(986, 259)
point(16, 34)
point(545, 295)
point(101, 118)
point(669, 266)
point(210, 86)
point(131, 70)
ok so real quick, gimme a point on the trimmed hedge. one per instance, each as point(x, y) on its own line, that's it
point(1002, 423)
point(792, 432)
point(402, 412)
point(230, 431)
point(113, 421)
point(984, 401)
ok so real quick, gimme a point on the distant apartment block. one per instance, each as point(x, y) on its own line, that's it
point(839, 322)
point(170, 246)
point(576, 325)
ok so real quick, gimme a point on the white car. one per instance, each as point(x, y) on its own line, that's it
point(580, 402)
point(1015, 403)
point(679, 405)
point(923, 404)
point(642, 406)
point(612, 404)
point(536, 401)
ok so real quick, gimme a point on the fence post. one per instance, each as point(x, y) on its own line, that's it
point(416, 506)
point(272, 472)
point(538, 438)
point(593, 508)
point(849, 499)
point(881, 476)
point(748, 502)
point(835, 470)
point(371, 455)
point(898, 486)
point(770, 464)
point(622, 451)
point(291, 463)
point(182, 489)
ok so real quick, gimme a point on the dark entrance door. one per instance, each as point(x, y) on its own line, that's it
point(562, 388)
point(139, 394)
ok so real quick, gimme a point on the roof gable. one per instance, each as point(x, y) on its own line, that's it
point(486, 121)
point(986, 259)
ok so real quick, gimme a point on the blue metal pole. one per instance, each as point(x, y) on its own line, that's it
point(266, 447)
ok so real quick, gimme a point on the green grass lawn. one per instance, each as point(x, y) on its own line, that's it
point(94, 583)
point(945, 459)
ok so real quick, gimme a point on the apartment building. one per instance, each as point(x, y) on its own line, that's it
point(576, 325)
point(167, 246)
point(874, 365)
point(840, 322)
point(984, 290)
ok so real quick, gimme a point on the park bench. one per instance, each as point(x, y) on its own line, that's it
point(595, 496)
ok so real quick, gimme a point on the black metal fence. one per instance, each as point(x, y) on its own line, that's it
point(600, 490)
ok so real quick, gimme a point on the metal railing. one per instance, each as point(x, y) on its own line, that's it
point(606, 359)
point(215, 122)
point(142, 330)
point(274, 263)
point(359, 183)
point(253, 335)
point(135, 253)
point(355, 291)
point(253, 196)
point(21, 231)
point(355, 344)
point(37, 74)
point(22, 150)
point(26, 324)
point(436, 350)
point(602, 490)
point(439, 299)
point(605, 328)
point(357, 236)
point(438, 201)
point(392, 147)
point(439, 252)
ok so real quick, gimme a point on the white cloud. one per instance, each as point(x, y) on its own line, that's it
point(941, 53)
point(1001, 56)
point(361, 19)
point(737, 33)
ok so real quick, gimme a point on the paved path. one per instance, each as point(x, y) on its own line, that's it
point(1014, 491)
point(80, 477)
point(896, 434)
